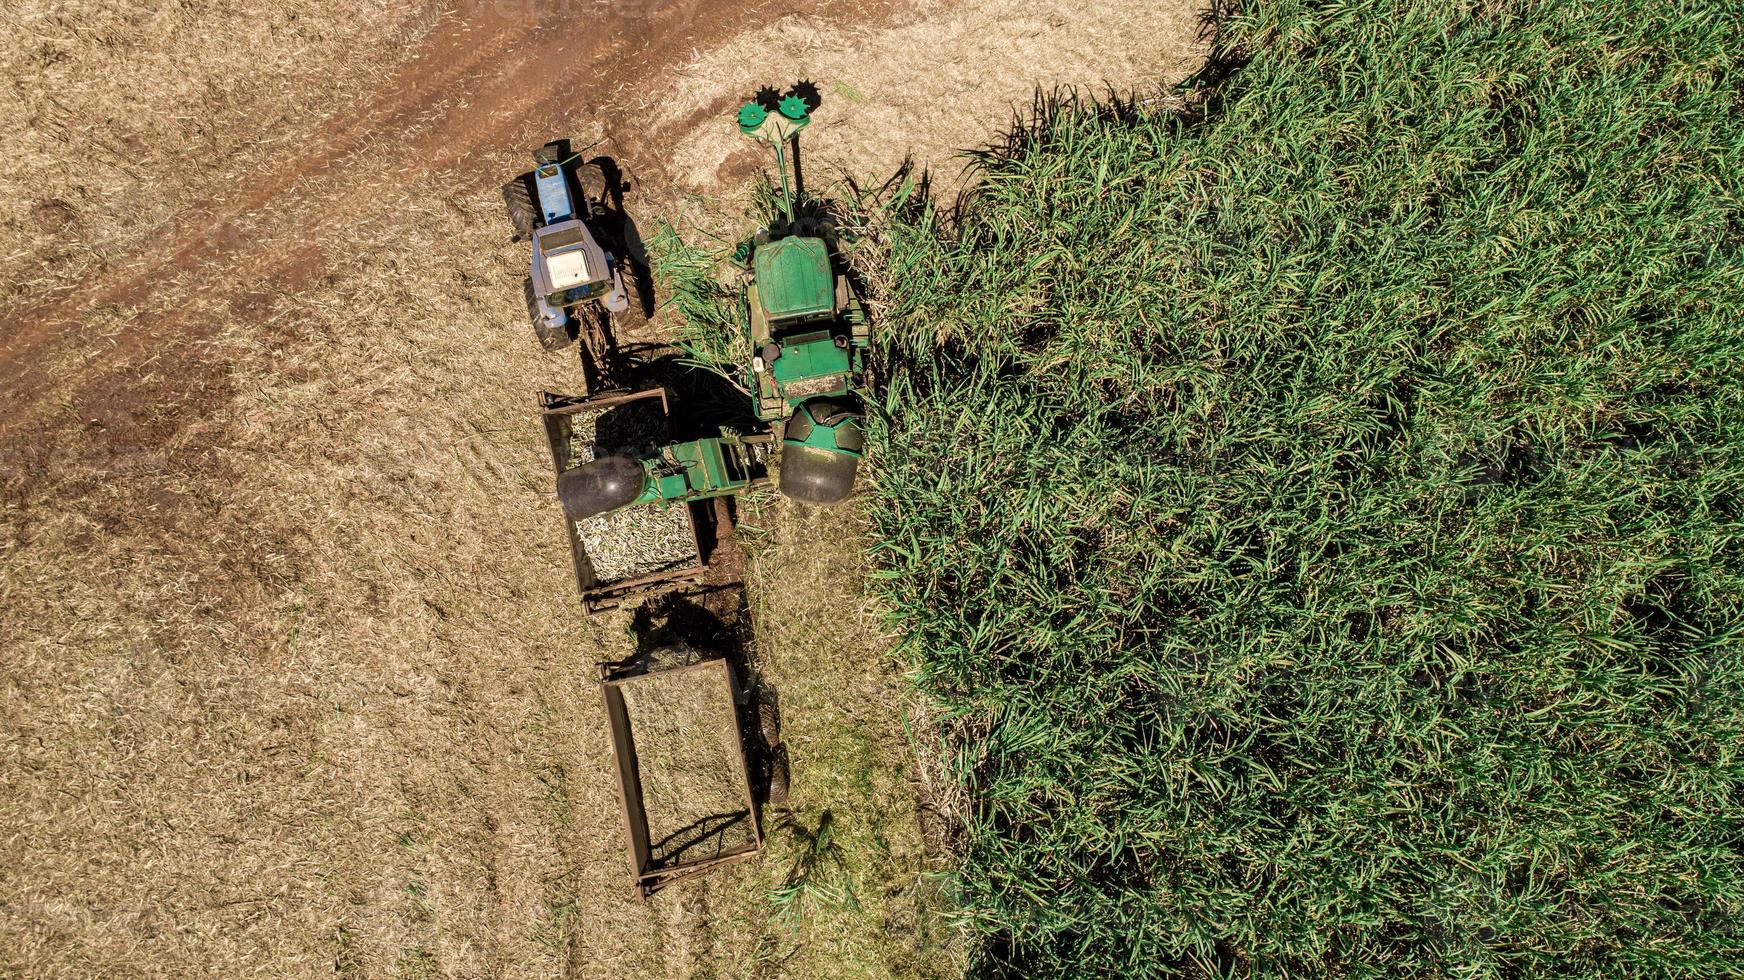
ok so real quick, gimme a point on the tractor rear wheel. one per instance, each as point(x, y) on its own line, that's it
point(550, 338)
point(518, 201)
point(591, 178)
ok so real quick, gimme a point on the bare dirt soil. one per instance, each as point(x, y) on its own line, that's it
point(292, 676)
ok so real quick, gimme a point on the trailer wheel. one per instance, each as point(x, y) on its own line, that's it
point(778, 776)
point(769, 724)
point(518, 202)
point(550, 338)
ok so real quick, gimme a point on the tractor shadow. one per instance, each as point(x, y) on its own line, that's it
point(619, 226)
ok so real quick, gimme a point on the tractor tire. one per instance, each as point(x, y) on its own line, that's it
point(518, 202)
point(550, 339)
point(591, 178)
point(639, 285)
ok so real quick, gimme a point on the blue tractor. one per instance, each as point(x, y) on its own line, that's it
point(577, 276)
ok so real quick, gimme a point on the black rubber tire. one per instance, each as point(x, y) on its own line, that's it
point(779, 775)
point(600, 486)
point(591, 178)
point(769, 725)
point(518, 202)
point(817, 476)
point(638, 286)
point(549, 339)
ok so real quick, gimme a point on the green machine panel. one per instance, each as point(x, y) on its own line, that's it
point(794, 279)
point(803, 358)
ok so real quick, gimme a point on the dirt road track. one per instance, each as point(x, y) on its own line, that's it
point(487, 81)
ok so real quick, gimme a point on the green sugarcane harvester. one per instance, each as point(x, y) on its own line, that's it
point(808, 334)
point(679, 472)
point(809, 339)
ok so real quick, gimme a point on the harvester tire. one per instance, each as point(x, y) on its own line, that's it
point(600, 486)
point(817, 476)
point(550, 338)
point(518, 202)
point(814, 473)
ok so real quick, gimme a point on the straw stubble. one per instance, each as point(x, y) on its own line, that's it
point(643, 540)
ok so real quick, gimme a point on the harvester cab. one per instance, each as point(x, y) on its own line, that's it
point(808, 333)
point(678, 472)
point(571, 269)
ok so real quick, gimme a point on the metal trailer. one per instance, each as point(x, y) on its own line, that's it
point(710, 521)
point(705, 518)
point(649, 869)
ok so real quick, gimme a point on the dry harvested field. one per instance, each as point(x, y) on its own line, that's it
point(292, 676)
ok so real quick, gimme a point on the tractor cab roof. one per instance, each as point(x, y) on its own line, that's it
point(794, 281)
point(565, 255)
point(567, 269)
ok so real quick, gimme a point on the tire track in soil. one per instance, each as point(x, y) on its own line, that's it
point(486, 78)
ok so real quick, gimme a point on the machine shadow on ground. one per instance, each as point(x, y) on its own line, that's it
point(682, 627)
